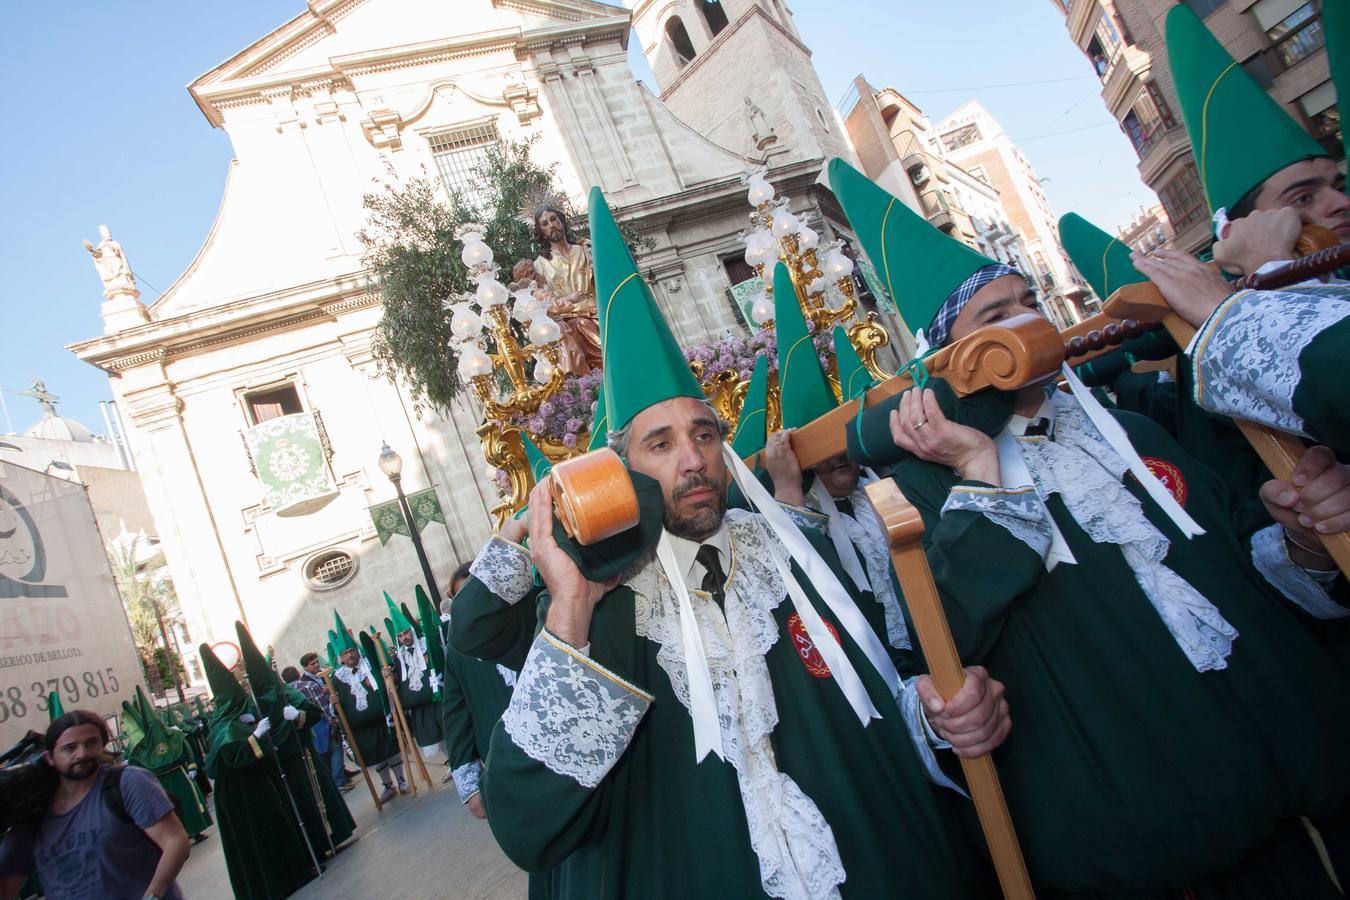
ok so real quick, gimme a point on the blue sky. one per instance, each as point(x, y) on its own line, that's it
point(100, 129)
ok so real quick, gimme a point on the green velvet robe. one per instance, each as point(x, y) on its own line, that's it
point(373, 738)
point(658, 825)
point(304, 771)
point(419, 707)
point(165, 752)
point(264, 855)
point(1128, 770)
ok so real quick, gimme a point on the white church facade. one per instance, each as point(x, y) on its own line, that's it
point(275, 316)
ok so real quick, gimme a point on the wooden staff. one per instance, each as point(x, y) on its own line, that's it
point(401, 722)
point(904, 528)
point(1281, 451)
point(351, 739)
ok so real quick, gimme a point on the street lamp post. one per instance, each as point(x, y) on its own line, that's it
point(391, 464)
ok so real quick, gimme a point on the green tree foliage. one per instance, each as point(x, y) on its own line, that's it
point(148, 595)
point(413, 255)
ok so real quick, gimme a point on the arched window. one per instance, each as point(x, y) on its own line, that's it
point(679, 41)
point(714, 15)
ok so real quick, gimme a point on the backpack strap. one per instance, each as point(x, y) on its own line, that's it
point(112, 793)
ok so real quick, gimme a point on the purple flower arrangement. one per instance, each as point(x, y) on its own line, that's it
point(566, 417)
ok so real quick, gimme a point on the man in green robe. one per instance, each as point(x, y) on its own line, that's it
point(715, 721)
point(1108, 577)
point(365, 714)
point(1268, 356)
point(265, 854)
point(419, 684)
point(327, 820)
point(164, 751)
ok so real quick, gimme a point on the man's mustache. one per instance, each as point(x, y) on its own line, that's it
point(693, 483)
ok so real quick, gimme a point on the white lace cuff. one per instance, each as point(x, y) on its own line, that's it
point(504, 568)
point(1246, 353)
point(570, 713)
point(923, 736)
point(805, 518)
point(1271, 559)
point(1017, 510)
point(466, 778)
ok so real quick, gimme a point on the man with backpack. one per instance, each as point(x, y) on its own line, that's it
point(108, 831)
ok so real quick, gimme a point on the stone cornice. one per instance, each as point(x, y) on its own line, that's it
point(251, 77)
point(196, 331)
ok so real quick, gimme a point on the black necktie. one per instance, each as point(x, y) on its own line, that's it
point(845, 505)
point(714, 579)
point(1038, 427)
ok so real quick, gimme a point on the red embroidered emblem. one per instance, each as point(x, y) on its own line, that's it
point(1169, 475)
point(806, 648)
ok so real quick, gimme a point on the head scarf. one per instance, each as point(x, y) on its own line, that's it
point(940, 329)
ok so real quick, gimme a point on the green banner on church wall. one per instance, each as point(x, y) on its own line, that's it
point(388, 518)
point(289, 457)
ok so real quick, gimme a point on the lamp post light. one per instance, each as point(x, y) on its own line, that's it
point(391, 464)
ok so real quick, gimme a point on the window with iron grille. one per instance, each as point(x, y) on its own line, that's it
point(1184, 199)
point(459, 153)
point(329, 569)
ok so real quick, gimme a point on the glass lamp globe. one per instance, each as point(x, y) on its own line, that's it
point(544, 330)
point(543, 370)
point(762, 311)
point(837, 266)
point(473, 362)
point(476, 253)
point(465, 323)
point(760, 191)
point(784, 223)
point(807, 237)
point(491, 292)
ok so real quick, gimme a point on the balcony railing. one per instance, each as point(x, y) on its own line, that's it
point(937, 210)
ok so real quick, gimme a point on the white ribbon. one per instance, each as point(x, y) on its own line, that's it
point(1115, 435)
point(836, 660)
point(839, 535)
point(820, 575)
point(702, 704)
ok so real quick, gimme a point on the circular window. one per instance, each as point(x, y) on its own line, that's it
point(329, 569)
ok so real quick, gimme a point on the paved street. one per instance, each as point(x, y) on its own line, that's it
point(418, 847)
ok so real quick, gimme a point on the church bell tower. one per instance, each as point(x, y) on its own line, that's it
point(738, 72)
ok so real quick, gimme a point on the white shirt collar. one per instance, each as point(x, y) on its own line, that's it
point(686, 550)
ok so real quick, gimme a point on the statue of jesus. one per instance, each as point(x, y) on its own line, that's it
point(565, 270)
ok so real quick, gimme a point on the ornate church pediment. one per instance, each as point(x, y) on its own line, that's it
point(336, 41)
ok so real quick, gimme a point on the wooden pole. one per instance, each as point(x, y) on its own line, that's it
point(904, 528)
point(401, 722)
point(351, 739)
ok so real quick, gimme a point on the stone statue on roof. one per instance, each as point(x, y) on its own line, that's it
point(112, 265)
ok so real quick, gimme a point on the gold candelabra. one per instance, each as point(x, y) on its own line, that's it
point(777, 234)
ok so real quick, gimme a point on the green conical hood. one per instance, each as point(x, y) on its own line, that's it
point(133, 732)
point(229, 697)
point(343, 641)
point(54, 708)
point(260, 675)
point(804, 389)
point(919, 265)
point(397, 622)
point(1104, 260)
point(600, 423)
point(332, 656)
point(854, 378)
point(538, 462)
point(752, 425)
point(145, 709)
point(411, 617)
point(1239, 134)
point(373, 658)
point(1336, 29)
point(642, 361)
